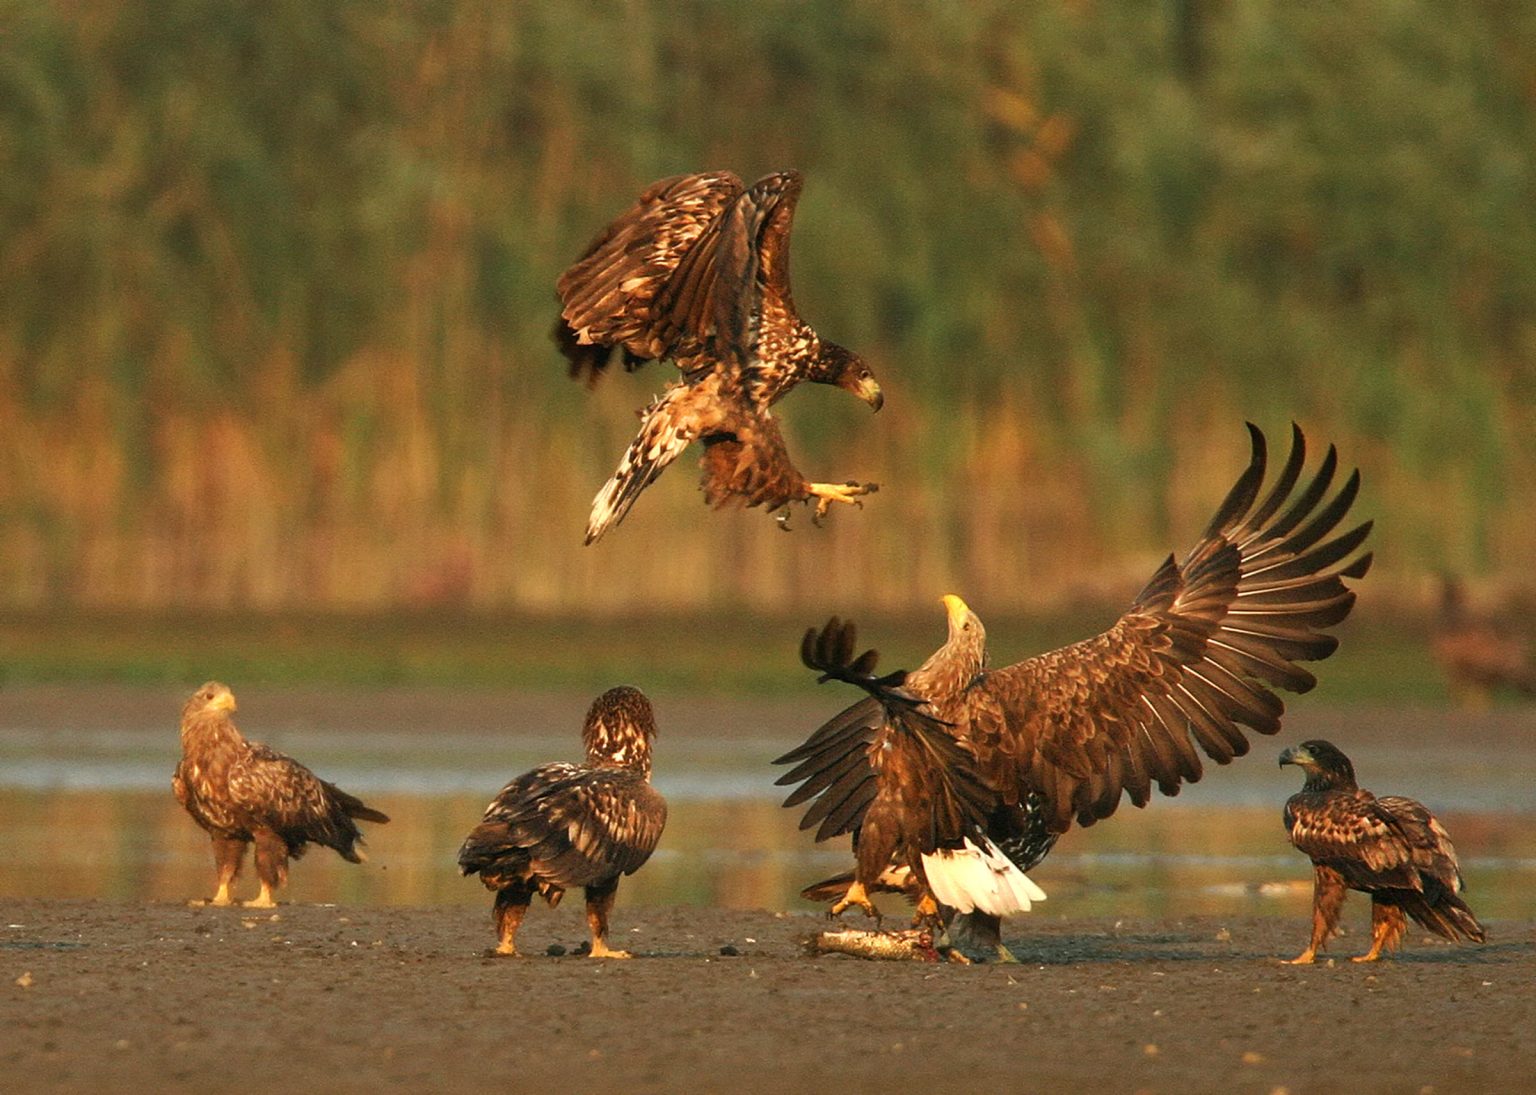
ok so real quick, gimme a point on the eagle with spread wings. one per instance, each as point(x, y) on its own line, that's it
point(965, 775)
point(563, 825)
point(697, 271)
point(242, 792)
point(1392, 848)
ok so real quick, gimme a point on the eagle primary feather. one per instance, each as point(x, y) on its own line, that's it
point(1063, 737)
point(242, 792)
point(1390, 847)
point(565, 825)
point(697, 271)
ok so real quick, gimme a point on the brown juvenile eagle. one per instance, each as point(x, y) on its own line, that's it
point(945, 766)
point(564, 825)
point(243, 793)
point(698, 272)
point(1391, 848)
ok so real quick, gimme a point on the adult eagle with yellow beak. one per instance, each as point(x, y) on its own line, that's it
point(965, 775)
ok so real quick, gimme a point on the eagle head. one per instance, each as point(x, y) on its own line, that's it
point(212, 696)
point(1326, 766)
point(619, 728)
point(967, 642)
point(841, 366)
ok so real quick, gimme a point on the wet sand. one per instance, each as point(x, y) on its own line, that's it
point(131, 996)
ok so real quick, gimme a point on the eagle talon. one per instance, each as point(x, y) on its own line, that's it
point(827, 493)
point(856, 896)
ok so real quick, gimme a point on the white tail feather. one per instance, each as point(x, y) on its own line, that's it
point(982, 878)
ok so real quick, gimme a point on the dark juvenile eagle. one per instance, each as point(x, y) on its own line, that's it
point(1391, 848)
point(1479, 655)
point(564, 825)
point(945, 766)
point(244, 793)
point(698, 272)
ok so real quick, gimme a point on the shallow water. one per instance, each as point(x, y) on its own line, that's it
point(87, 812)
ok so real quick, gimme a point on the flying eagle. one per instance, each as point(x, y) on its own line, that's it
point(564, 825)
point(1391, 848)
point(698, 272)
point(1479, 655)
point(944, 767)
point(242, 793)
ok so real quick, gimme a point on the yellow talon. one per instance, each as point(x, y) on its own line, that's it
point(850, 493)
point(856, 895)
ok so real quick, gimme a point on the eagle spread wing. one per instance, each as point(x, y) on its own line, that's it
point(698, 271)
point(1193, 660)
point(610, 295)
point(696, 268)
point(566, 825)
point(1064, 735)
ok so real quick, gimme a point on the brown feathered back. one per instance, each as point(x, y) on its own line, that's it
point(563, 825)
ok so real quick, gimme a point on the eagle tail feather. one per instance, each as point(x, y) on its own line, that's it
point(663, 436)
point(979, 877)
point(1448, 917)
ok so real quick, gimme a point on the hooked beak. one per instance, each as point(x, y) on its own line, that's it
point(957, 609)
point(1296, 754)
point(224, 701)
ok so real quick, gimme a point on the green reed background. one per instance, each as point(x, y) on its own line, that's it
point(276, 280)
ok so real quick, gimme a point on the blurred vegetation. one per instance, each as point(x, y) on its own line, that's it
point(1379, 660)
point(276, 280)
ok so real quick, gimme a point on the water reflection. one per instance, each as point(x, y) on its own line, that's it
point(735, 853)
point(86, 808)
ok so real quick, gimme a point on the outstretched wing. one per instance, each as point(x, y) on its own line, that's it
point(934, 777)
point(569, 825)
point(1191, 664)
point(748, 274)
point(663, 245)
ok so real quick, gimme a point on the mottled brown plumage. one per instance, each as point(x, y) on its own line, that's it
point(1479, 654)
point(1063, 737)
point(1391, 848)
point(566, 825)
point(698, 271)
point(243, 793)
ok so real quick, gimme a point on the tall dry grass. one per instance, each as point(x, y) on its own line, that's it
point(275, 287)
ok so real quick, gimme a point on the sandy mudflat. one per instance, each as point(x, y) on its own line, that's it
point(131, 996)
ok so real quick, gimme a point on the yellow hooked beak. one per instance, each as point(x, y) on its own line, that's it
point(223, 701)
point(958, 610)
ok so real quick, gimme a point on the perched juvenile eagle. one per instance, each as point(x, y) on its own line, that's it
point(564, 825)
point(698, 272)
point(1391, 848)
point(1479, 655)
point(946, 765)
point(242, 792)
